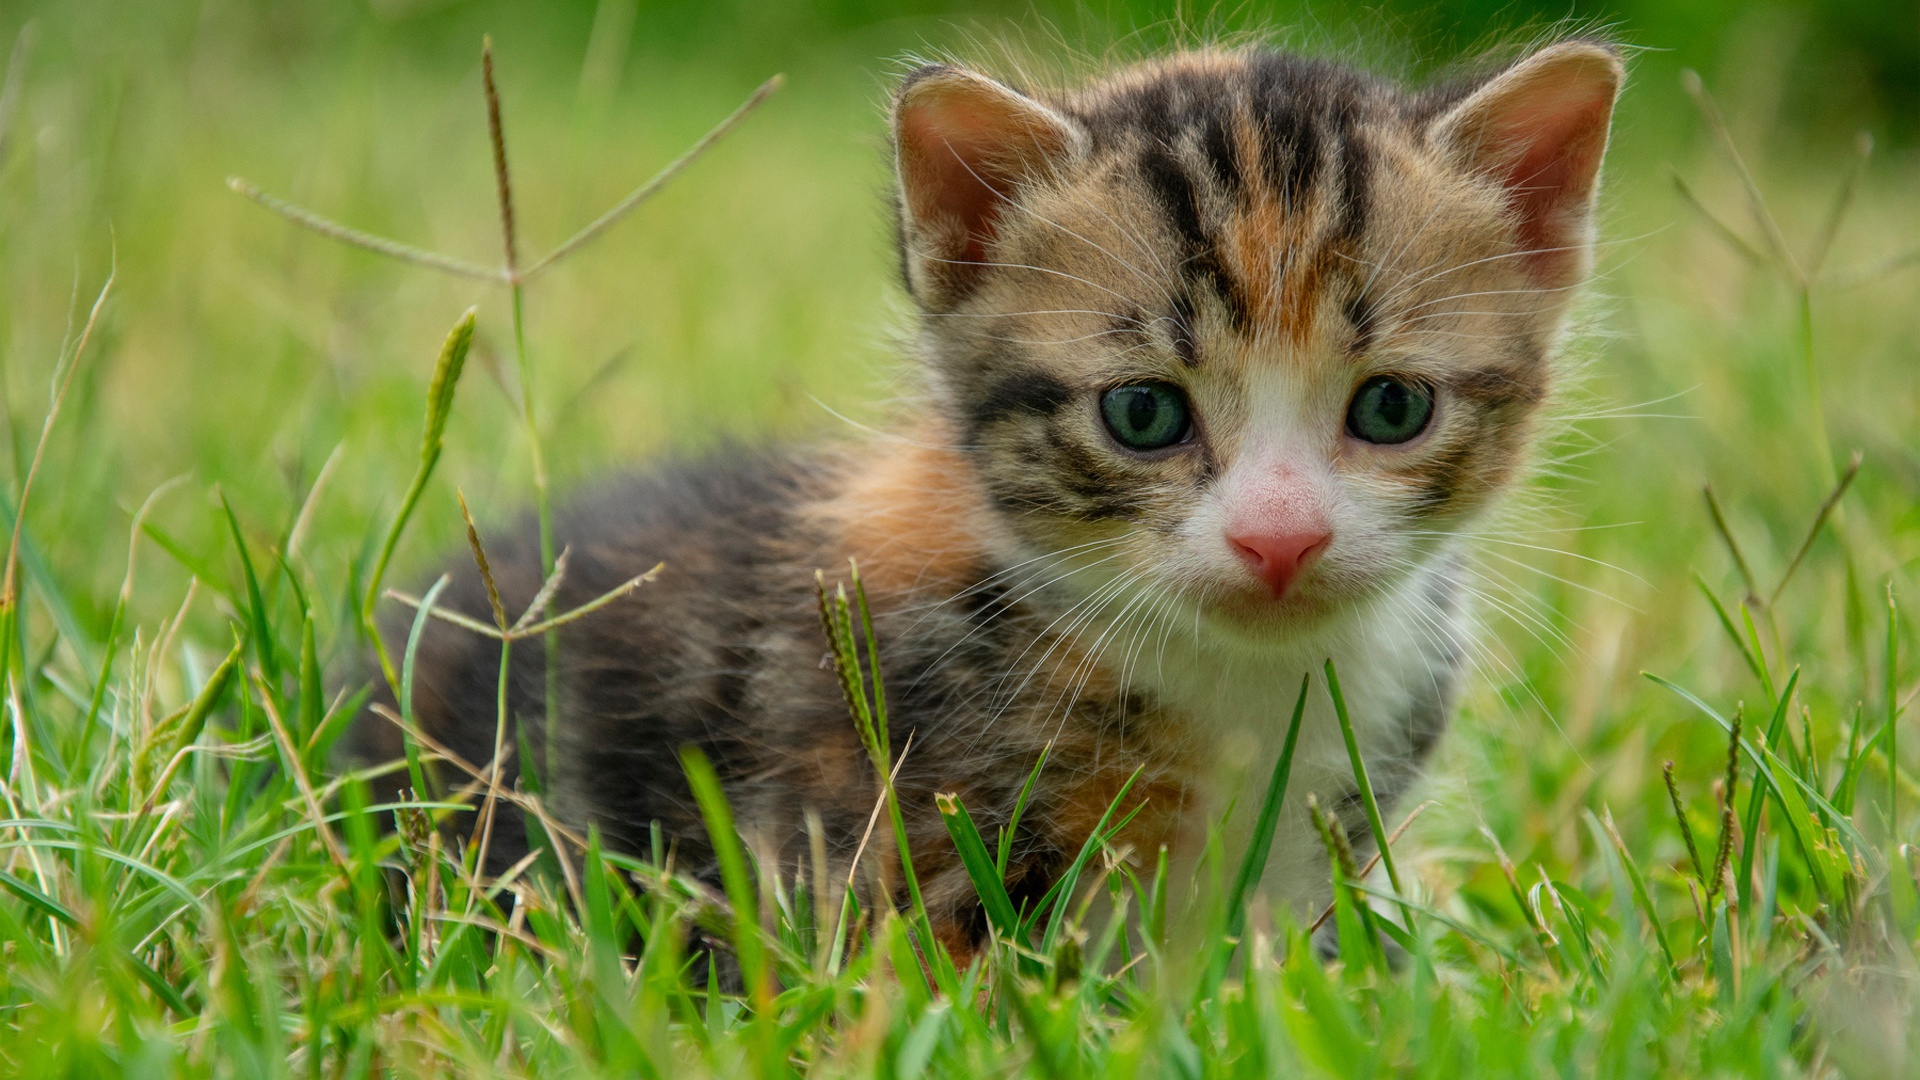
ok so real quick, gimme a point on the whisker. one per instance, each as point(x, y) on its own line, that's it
point(1070, 638)
point(1405, 287)
point(1143, 323)
point(989, 263)
point(970, 634)
point(1487, 539)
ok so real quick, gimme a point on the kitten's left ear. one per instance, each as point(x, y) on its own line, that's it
point(964, 146)
point(1539, 129)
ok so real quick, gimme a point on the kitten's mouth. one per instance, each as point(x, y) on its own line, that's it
point(1257, 611)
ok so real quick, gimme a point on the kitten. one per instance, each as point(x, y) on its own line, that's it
point(1224, 355)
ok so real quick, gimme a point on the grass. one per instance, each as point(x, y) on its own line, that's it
point(1670, 831)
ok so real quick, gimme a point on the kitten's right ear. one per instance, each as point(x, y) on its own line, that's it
point(964, 145)
point(1539, 129)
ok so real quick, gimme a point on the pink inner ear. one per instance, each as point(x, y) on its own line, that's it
point(964, 155)
point(1554, 141)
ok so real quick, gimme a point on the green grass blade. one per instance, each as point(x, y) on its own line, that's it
point(1733, 633)
point(1768, 780)
point(1019, 809)
point(1850, 765)
point(194, 720)
point(59, 913)
point(313, 702)
point(738, 883)
point(440, 388)
point(1365, 784)
point(987, 882)
point(1641, 897)
point(1757, 797)
point(260, 628)
point(1061, 893)
point(1254, 862)
point(1759, 653)
point(415, 772)
point(873, 660)
point(39, 901)
point(201, 570)
point(1892, 693)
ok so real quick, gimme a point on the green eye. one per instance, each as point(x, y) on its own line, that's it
point(1146, 416)
point(1389, 410)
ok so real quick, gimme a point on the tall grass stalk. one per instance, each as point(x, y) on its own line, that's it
point(509, 274)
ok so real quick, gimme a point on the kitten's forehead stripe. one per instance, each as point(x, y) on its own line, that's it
point(1174, 188)
point(1356, 176)
point(1222, 154)
point(1258, 164)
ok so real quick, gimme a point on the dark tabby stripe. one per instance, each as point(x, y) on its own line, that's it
point(1031, 392)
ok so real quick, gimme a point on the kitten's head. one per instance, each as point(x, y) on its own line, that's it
point(1254, 328)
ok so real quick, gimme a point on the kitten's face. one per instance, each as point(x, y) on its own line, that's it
point(1257, 333)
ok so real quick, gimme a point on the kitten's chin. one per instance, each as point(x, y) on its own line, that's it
point(1257, 615)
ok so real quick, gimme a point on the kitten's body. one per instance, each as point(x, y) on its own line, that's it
point(1246, 236)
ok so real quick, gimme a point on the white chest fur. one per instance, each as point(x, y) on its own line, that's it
point(1397, 660)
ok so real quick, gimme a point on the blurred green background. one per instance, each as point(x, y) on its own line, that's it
point(756, 298)
point(1754, 347)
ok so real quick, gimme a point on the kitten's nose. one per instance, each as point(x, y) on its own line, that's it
point(1276, 558)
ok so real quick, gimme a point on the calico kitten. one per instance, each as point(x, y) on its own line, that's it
point(1223, 357)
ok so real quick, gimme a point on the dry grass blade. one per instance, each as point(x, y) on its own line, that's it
point(653, 185)
point(1875, 271)
point(121, 603)
point(1696, 88)
point(477, 774)
point(519, 633)
point(497, 137)
point(544, 597)
point(1819, 520)
point(1680, 816)
point(453, 617)
point(495, 926)
point(480, 778)
point(879, 804)
point(486, 569)
point(10, 584)
point(380, 245)
point(1729, 822)
point(1726, 232)
point(590, 606)
point(1733, 546)
point(292, 763)
point(589, 388)
point(489, 807)
point(303, 521)
point(1374, 862)
point(1842, 202)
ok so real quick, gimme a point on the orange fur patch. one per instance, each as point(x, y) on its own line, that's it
point(1282, 293)
point(908, 518)
point(1087, 801)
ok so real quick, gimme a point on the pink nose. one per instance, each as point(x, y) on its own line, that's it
point(1277, 558)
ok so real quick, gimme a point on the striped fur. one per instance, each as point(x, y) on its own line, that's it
point(1262, 231)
